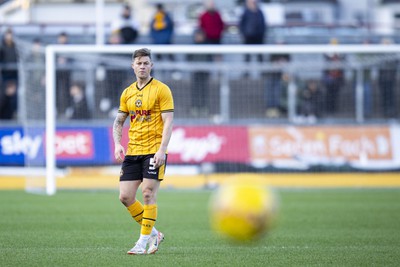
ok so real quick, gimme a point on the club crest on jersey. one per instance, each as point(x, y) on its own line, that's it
point(138, 103)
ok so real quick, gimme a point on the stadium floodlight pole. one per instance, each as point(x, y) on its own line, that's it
point(50, 121)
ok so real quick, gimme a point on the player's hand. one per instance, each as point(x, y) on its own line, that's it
point(119, 153)
point(159, 159)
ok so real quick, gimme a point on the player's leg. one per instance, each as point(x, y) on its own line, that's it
point(130, 180)
point(149, 217)
point(135, 208)
point(154, 238)
point(127, 195)
point(150, 187)
point(149, 191)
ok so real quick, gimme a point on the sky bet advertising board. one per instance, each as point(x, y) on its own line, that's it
point(74, 146)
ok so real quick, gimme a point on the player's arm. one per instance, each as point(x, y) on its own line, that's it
point(159, 157)
point(119, 151)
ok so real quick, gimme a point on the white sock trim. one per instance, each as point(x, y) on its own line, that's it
point(154, 231)
point(143, 240)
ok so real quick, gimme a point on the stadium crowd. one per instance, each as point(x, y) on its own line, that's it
point(315, 97)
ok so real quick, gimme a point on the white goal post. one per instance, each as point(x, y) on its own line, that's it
point(53, 50)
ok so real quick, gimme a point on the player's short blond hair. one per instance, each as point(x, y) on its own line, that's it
point(142, 52)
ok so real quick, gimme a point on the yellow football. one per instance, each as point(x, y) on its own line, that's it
point(242, 210)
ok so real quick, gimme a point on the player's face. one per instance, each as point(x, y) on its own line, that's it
point(142, 67)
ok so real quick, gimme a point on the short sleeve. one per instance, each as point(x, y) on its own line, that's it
point(122, 103)
point(166, 100)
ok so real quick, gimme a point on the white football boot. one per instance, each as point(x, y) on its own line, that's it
point(154, 242)
point(138, 249)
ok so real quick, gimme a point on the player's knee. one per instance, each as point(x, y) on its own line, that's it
point(148, 195)
point(125, 199)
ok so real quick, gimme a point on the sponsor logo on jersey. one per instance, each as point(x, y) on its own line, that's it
point(142, 112)
point(133, 115)
point(140, 115)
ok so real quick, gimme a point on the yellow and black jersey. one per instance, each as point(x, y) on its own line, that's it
point(144, 106)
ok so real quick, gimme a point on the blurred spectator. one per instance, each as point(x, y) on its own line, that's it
point(366, 82)
point(9, 75)
point(63, 76)
point(310, 99)
point(200, 79)
point(126, 26)
point(283, 96)
point(111, 80)
point(79, 108)
point(114, 39)
point(161, 27)
point(333, 79)
point(62, 38)
point(277, 82)
point(252, 26)
point(387, 82)
point(116, 80)
point(9, 58)
point(211, 23)
point(36, 76)
point(8, 100)
point(37, 58)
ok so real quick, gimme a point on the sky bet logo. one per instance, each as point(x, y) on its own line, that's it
point(17, 144)
point(69, 144)
point(140, 115)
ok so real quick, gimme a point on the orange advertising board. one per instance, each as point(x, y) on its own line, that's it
point(345, 143)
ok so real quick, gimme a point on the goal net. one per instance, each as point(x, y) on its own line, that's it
point(272, 108)
point(27, 140)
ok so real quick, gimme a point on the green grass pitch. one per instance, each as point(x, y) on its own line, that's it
point(317, 227)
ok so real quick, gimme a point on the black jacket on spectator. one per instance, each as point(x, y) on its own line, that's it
point(8, 60)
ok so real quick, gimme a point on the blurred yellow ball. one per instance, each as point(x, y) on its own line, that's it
point(242, 210)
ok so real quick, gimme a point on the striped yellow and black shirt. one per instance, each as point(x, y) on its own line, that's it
point(144, 106)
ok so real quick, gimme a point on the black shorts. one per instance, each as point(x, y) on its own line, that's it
point(139, 167)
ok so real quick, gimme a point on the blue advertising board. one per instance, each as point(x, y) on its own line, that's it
point(74, 146)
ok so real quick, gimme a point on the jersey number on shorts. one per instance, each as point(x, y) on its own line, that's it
point(152, 164)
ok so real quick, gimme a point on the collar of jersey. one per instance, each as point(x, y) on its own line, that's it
point(140, 89)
